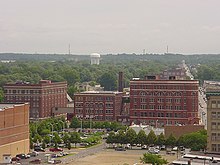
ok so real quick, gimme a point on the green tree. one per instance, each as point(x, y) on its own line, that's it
point(120, 136)
point(66, 138)
point(108, 80)
point(1, 95)
point(69, 145)
point(161, 139)
point(75, 123)
point(111, 138)
point(141, 138)
point(130, 136)
point(56, 138)
point(171, 141)
point(46, 139)
point(37, 138)
point(43, 145)
point(153, 159)
point(151, 138)
point(75, 138)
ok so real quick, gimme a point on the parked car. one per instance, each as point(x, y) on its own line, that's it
point(33, 154)
point(144, 147)
point(153, 150)
point(35, 161)
point(120, 149)
point(22, 156)
point(38, 149)
point(55, 149)
point(15, 159)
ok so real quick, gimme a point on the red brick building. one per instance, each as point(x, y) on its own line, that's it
point(100, 106)
point(14, 129)
point(164, 102)
point(42, 97)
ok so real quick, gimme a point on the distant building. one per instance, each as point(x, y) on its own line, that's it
point(163, 102)
point(213, 119)
point(42, 97)
point(147, 129)
point(14, 129)
point(95, 58)
point(86, 86)
point(179, 130)
point(178, 73)
point(98, 105)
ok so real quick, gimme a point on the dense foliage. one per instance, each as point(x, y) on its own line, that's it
point(153, 159)
point(195, 140)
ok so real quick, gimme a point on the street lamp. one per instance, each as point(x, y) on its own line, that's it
point(63, 125)
point(52, 132)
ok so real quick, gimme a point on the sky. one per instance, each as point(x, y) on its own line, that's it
point(110, 26)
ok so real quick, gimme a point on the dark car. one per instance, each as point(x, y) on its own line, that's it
point(38, 149)
point(15, 159)
point(55, 149)
point(120, 149)
point(35, 161)
point(22, 156)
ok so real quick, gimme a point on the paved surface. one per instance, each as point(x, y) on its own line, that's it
point(74, 154)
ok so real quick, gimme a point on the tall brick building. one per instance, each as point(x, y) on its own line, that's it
point(213, 119)
point(42, 97)
point(99, 105)
point(14, 129)
point(164, 102)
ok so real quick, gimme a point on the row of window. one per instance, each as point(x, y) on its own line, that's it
point(34, 91)
point(149, 93)
point(215, 125)
point(176, 87)
point(215, 136)
point(216, 147)
point(161, 100)
point(160, 114)
point(100, 105)
point(94, 98)
point(89, 111)
point(161, 107)
point(215, 115)
point(215, 104)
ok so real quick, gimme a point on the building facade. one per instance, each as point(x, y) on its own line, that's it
point(164, 102)
point(100, 106)
point(213, 120)
point(179, 73)
point(42, 97)
point(14, 129)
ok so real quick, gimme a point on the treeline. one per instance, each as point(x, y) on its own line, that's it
point(195, 140)
point(209, 71)
point(105, 74)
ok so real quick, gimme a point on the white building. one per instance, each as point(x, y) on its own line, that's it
point(95, 58)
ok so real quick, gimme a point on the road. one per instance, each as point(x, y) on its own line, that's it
point(75, 154)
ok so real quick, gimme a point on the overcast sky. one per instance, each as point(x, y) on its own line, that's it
point(110, 26)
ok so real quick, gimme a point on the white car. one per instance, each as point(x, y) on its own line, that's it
point(153, 150)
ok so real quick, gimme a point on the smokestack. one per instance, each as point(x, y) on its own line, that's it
point(120, 82)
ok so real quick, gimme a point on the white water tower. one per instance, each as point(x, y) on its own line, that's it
point(95, 57)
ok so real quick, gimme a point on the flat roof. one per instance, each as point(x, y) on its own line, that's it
point(165, 81)
point(6, 106)
point(99, 92)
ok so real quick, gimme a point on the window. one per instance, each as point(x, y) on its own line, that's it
point(151, 106)
point(213, 104)
point(213, 125)
point(214, 146)
point(213, 115)
point(218, 104)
